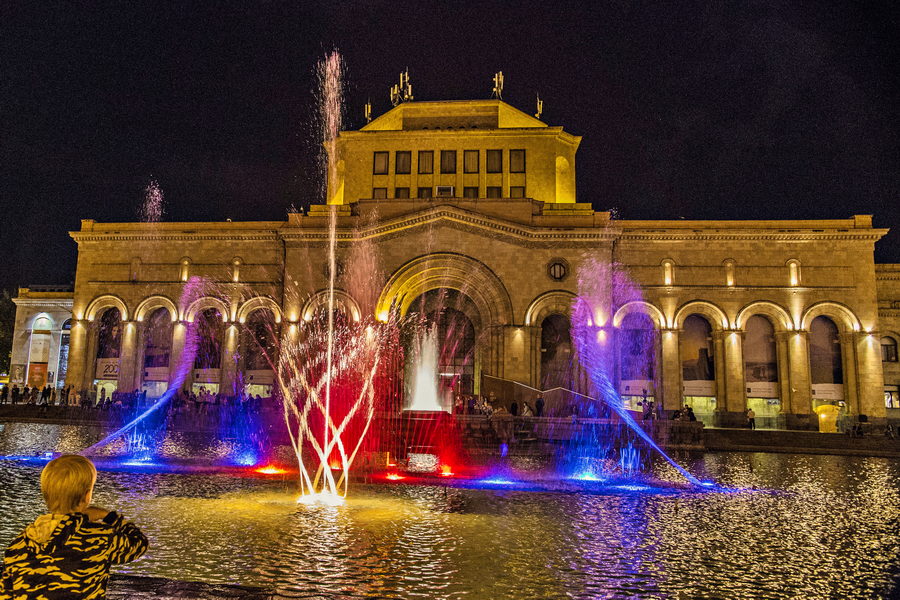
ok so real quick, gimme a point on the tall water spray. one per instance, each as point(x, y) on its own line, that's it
point(423, 378)
point(152, 207)
point(599, 281)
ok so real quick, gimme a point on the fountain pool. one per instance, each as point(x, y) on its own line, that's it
point(829, 532)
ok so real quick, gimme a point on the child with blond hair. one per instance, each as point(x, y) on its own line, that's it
point(66, 554)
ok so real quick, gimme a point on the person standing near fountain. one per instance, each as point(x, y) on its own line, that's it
point(66, 554)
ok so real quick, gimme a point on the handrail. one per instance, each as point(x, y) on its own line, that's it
point(537, 389)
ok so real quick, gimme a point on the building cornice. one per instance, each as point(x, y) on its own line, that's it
point(455, 215)
point(44, 302)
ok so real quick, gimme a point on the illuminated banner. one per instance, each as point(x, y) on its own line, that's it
point(827, 391)
point(37, 375)
point(107, 368)
point(699, 387)
point(17, 374)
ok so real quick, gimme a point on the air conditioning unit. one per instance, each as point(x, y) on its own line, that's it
point(445, 191)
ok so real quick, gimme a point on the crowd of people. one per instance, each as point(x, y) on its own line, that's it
point(198, 401)
point(489, 406)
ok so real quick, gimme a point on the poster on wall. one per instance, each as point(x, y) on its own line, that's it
point(699, 387)
point(827, 391)
point(107, 368)
point(37, 375)
point(17, 374)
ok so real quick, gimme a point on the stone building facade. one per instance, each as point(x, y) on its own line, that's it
point(471, 206)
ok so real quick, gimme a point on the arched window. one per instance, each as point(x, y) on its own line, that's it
point(698, 367)
point(668, 267)
point(888, 349)
point(729, 272)
point(41, 324)
point(259, 339)
point(793, 272)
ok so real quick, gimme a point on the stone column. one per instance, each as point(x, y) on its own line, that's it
point(870, 377)
point(176, 354)
point(735, 387)
point(228, 364)
point(670, 369)
point(722, 418)
point(127, 353)
point(848, 368)
point(782, 339)
point(78, 354)
point(800, 401)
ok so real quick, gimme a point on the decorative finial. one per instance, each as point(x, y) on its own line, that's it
point(540, 107)
point(368, 111)
point(402, 92)
point(497, 92)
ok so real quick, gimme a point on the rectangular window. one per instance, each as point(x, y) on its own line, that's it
point(494, 191)
point(517, 191)
point(470, 192)
point(516, 161)
point(426, 162)
point(494, 161)
point(424, 192)
point(403, 163)
point(448, 161)
point(470, 161)
point(446, 191)
point(379, 192)
point(401, 192)
point(380, 163)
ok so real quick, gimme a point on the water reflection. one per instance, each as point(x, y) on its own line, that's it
point(830, 531)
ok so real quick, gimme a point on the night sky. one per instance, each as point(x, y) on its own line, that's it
point(695, 110)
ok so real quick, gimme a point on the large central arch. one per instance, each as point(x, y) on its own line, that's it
point(447, 270)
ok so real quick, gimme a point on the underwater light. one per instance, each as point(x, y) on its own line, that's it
point(394, 477)
point(247, 459)
point(587, 477)
point(446, 471)
point(498, 481)
point(632, 488)
point(270, 470)
point(323, 498)
point(140, 463)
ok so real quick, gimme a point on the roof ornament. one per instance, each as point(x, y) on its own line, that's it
point(368, 111)
point(540, 107)
point(402, 92)
point(497, 92)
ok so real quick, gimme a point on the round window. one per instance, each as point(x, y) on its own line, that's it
point(557, 269)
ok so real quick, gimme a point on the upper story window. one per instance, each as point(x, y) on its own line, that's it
point(494, 161)
point(470, 161)
point(403, 163)
point(517, 191)
point(448, 161)
point(401, 192)
point(424, 192)
point(794, 272)
point(516, 161)
point(379, 192)
point(380, 163)
point(729, 272)
point(494, 191)
point(888, 349)
point(426, 162)
point(470, 192)
point(668, 267)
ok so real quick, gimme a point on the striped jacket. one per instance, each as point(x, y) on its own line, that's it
point(67, 557)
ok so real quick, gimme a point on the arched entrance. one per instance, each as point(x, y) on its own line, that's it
point(258, 353)
point(637, 345)
point(826, 362)
point(157, 336)
point(557, 355)
point(208, 361)
point(761, 371)
point(109, 348)
point(698, 368)
point(440, 343)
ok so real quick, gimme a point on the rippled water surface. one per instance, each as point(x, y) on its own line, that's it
point(792, 526)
